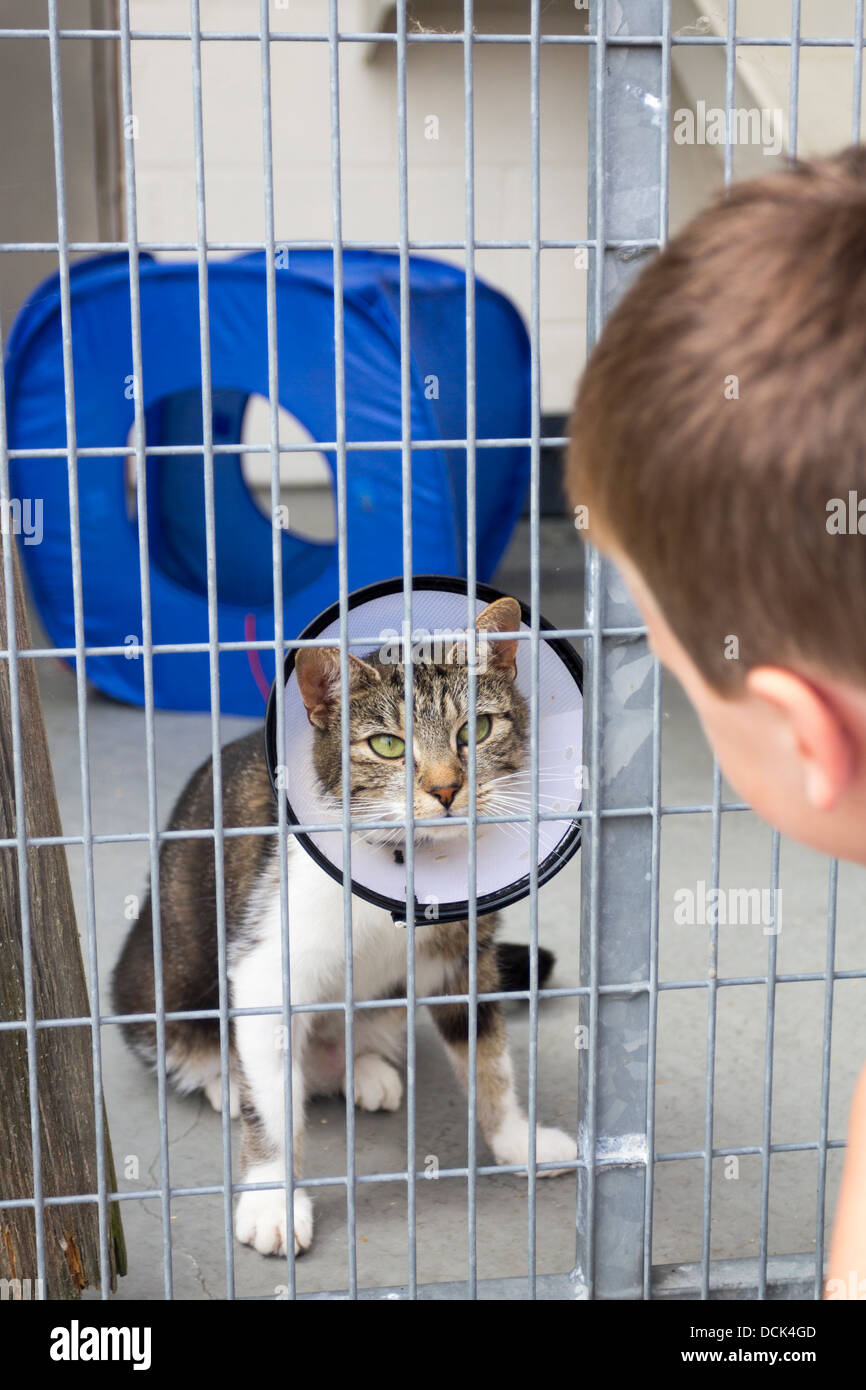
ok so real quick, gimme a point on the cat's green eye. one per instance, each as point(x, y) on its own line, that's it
point(483, 725)
point(387, 745)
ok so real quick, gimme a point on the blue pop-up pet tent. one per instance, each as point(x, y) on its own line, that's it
point(104, 406)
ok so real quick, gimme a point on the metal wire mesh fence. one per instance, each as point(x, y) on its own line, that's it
point(619, 990)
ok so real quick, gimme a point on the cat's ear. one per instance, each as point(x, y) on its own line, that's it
point(503, 615)
point(317, 671)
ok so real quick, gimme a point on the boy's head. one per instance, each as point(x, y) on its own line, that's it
point(718, 443)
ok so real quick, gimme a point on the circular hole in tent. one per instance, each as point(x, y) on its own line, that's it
point(242, 499)
point(306, 487)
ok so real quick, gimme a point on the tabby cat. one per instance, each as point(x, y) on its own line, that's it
point(316, 931)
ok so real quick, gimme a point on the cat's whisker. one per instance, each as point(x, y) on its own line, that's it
point(527, 791)
point(511, 832)
point(549, 803)
point(508, 827)
point(526, 778)
point(545, 772)
point(524, 789)
point(526, 771)
point(378, 842)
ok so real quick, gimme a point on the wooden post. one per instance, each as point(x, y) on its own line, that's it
point(65, 1072)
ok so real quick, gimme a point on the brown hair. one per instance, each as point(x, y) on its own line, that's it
point(724, 409)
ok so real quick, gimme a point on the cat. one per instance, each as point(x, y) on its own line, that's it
point(316, 927)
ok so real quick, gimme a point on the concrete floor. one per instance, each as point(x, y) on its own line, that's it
point(117, 754)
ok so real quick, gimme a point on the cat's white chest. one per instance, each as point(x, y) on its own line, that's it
point(317, 944)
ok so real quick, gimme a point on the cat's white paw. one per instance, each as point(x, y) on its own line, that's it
point(213, 1091)
point(377, 1084)
point(303, 1220)
point(261, 1221)
point(511, 1145)
point(554, 1146)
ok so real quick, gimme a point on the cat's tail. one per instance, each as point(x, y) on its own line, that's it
point(514, 965)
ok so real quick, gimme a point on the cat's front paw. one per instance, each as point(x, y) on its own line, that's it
point(261, 1221)
point(511, 1146)
point(377, 1084)
point(554, 1146)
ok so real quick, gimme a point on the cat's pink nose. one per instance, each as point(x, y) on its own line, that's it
point(445, 794)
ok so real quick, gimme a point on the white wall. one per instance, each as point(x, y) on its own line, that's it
point(28, 210)
point(436, 185)
point(826, 75)
point(164, 149)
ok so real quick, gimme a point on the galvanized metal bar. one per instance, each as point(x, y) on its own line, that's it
point(504, 996)
point(535, 613)
point(136, 649)
point(343, 581)
point(279, 673)
point(712, 1019)
point(794, 79)
point(324, 446)
point(655, 849)
point(730, 88)
point(139, 439)
point(147, 1194)
point(824, 1121)
point(622, 40)
point(317, 244)
point(78, 620)
point(213, 631)
point(769, 1057)
point(558, 992)
point(492, 1170)
point(294, 643)
point(653, 1000)
point(626, 164)
point(584, 1270)
point(857, 96)
point(471, 580)
point(606, 813)
point(409, 680)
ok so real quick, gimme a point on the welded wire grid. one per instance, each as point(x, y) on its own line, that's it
point(646, 818)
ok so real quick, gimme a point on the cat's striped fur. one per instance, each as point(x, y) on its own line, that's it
point(316, 932)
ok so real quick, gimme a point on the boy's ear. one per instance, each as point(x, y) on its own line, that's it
point(503, 615)
point(317, 671)
point(821, 740)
